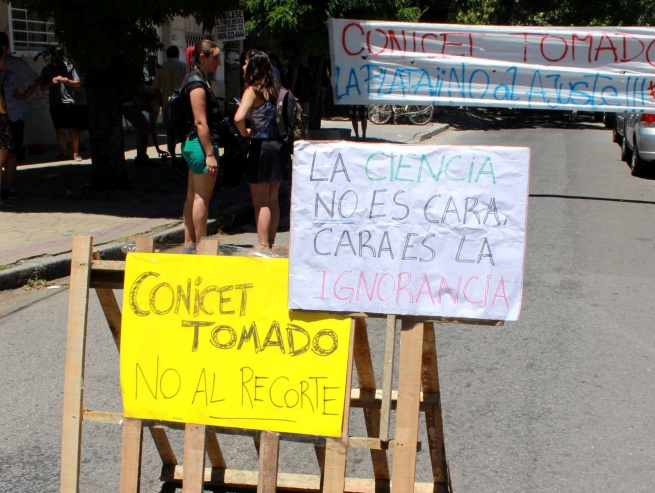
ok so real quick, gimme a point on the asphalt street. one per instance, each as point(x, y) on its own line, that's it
point(561, 400)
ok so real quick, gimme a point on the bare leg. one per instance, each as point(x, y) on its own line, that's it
point(75, 140)
point(364, 124)
point(189, 231)
point(203, 186)
point(354, 123)
point(267, 211)
point(274, 206)
point(61, 138)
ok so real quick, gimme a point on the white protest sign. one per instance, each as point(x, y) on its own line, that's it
point(558, 68)
point(230, 26)
point(409, 230)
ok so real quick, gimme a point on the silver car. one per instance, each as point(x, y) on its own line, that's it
point(635, 132)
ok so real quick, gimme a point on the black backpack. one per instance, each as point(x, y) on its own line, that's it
point(289, 118)
point(179, 109)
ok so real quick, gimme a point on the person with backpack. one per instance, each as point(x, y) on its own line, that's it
point(200, 148)
point(268, 157)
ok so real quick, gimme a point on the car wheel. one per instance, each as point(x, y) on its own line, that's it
point(626, 154)
point(637, 164)
point(616, 136)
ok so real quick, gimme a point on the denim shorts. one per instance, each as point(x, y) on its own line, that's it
point(194, 155)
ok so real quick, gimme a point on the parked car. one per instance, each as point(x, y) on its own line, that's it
point(635, 132)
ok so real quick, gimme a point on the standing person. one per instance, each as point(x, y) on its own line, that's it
point(19, 82)
point(298, 76)
point(200, 149)
point(359, 113)
point(60, 80)
point(168, 78)
point(267, 159)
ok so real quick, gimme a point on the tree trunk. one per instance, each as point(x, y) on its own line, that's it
point(106, 132)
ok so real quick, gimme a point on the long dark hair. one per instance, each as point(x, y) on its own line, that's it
point(259, 75)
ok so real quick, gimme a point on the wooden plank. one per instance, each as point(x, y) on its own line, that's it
point(107, 265)
point(387, 377)
point(375, 444)
point(367, 387)
point(232, 478)
point(130, 481)
point(336, 451)
point(110, 308)
point(194, 458)
point(433, 416)
point(214, 451)
point(359, 399)
point(407, 414)
point(78, 308)
point(208, 247)
point(163, 444)
point(269, 455)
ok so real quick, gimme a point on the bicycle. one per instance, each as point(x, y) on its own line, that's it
point(379, 114)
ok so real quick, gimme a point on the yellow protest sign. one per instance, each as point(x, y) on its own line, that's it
point(210, 340)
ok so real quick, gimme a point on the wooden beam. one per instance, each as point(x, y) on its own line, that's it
point(407, 413)
point(269, 455)
point(387, 377)
point(78, 308)
point(194, 458)
point(367, 385)
point(130, 481)
point(232, 478)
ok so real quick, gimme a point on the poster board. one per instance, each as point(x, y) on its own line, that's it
point(552, 68)
point(433, 231)
point(230, 26)
point(209, 340)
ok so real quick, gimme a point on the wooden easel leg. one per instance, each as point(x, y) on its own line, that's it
point(407, 410)
point(130, 481)
point(336, 451)
point(78, 308)
point(367, 388)
point(269, 454)
point(433, 416)
point(194, 458)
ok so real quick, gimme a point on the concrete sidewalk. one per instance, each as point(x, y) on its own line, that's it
point(54, 204)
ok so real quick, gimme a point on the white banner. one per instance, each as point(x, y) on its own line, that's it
point(583, 68)
point(409, 230)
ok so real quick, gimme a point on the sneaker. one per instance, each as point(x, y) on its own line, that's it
point(77, 157)
point(189, 250)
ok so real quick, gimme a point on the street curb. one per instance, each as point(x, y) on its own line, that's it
point(420, 137)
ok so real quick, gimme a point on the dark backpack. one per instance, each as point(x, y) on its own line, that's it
point(179, 109)
point(289, 118)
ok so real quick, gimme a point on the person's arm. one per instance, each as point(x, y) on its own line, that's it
point(31, 89)
point(247, 101)
point(199, 107)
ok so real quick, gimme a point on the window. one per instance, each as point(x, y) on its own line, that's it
point(29, 33)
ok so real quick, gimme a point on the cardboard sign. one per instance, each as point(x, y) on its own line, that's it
point(553, 68)
point(209, 340)
point(409, 230)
